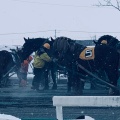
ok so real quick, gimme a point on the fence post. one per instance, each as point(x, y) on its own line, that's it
point(59, 112)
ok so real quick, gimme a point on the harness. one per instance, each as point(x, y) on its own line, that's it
point(99, 79)
point(87, 54)
point(15, 56)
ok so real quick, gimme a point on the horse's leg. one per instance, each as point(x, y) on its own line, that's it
point(38, 73)
point(111, 70)
point(69, 83)
point(113, 77)
point(46, 82)
point(1, 80)
point(7, 81)
point(1, 74)
point(79, 80)
point(107, 58)
point(53, 75)
point(78, 85)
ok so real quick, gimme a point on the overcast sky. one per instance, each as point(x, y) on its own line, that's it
point(76, 19)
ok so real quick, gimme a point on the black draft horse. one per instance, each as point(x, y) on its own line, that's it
point(32, 45)
point(11, 61)
point(104, 57)
point(108, 40)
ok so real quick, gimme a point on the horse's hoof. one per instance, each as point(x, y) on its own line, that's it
point(33, 88)
point(54, 87)
point(46, 88)
point(78, 92)
point(68, 91)
point(38, 90)
point(114, 92)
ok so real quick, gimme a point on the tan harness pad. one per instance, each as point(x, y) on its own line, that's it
point(87, 54)
point(104, 41)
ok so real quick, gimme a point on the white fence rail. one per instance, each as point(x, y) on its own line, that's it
point(84, 101)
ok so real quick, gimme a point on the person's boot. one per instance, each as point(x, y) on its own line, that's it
point(23, 83)
point(35, 86)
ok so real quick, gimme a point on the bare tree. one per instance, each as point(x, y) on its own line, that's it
point(110, 3)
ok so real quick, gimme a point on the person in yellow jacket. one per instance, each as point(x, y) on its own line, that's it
point(41, 59)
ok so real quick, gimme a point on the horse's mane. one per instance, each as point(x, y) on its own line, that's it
point(35, 40)
point(62, 37)
point(62, 43)
point(67, 46)
point(31, 45)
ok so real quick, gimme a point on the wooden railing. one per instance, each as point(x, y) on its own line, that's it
point(83, 101)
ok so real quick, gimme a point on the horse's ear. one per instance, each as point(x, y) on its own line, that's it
point(51, 39)
point(25, 39)
point(17, 47)
point(95, 42)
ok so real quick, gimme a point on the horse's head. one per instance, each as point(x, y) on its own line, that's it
point(47, 46)
point(31, 45)
point(61, 47)
point(108, 40)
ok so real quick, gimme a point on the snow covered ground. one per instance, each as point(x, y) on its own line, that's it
point(8, 117)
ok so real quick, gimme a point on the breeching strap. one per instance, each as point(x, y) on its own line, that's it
point(90, 73)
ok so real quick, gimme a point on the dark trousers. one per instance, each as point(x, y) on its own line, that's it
point(50, 67)
point(38, 77)
point(22, 75)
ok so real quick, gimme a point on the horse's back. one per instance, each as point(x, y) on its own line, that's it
point(5, 55)
point(5, 59)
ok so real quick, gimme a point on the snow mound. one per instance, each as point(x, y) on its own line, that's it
point(8, 117)
point(85, 118)
point(88, 118)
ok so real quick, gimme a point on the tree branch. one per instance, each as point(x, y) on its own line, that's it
point(109, 3)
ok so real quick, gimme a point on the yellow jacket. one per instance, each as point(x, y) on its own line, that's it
point(39, 61)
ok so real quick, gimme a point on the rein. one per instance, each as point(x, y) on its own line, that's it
point(17, 58)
